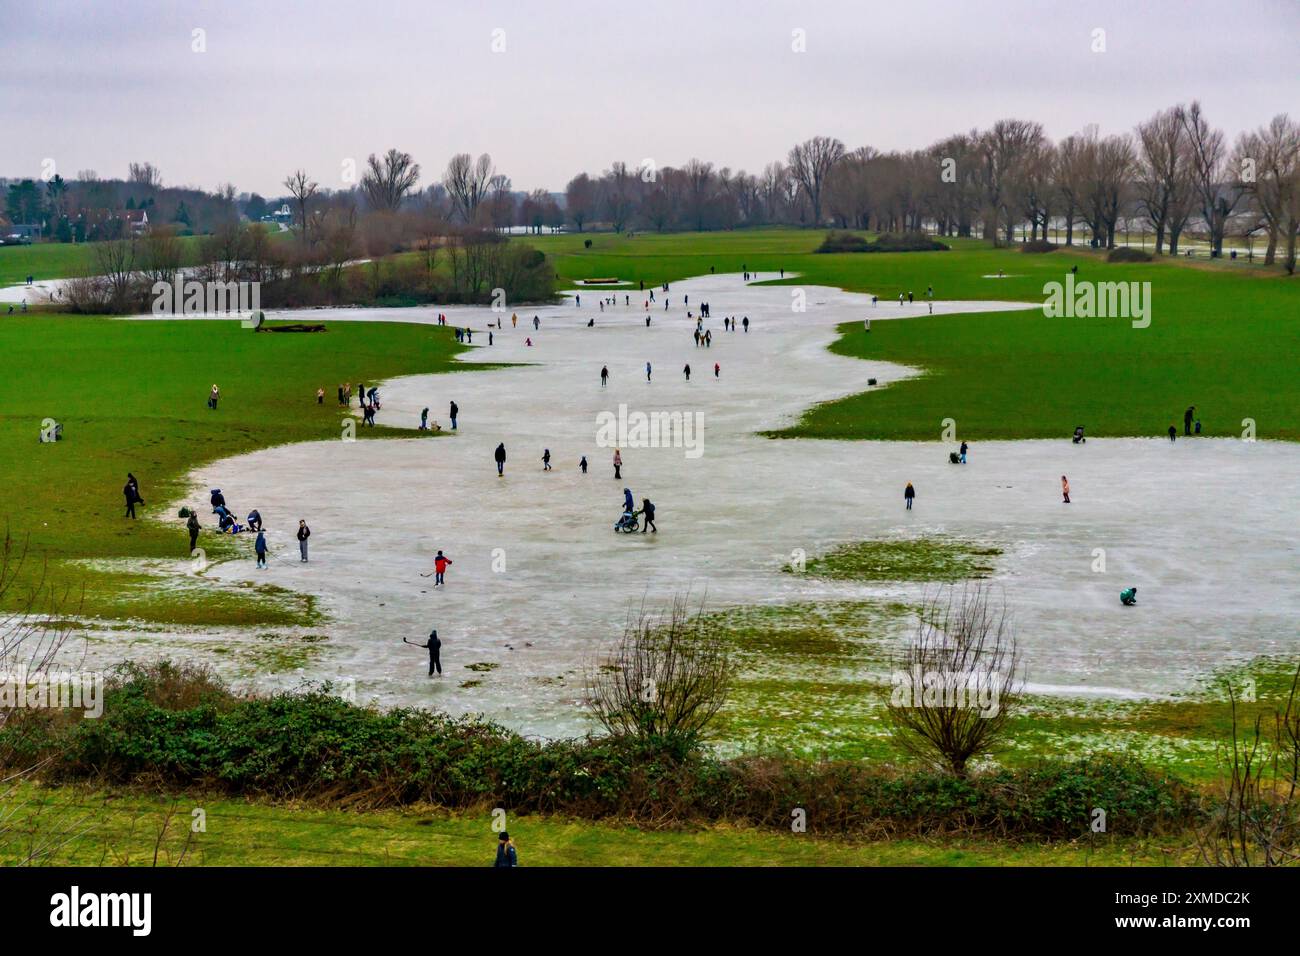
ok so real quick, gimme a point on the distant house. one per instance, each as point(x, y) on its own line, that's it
point(283, 214)
point(101, 222)
point(18, 233)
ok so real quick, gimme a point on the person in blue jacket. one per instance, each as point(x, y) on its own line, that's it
point(260, 547)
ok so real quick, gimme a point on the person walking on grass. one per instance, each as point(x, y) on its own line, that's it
point(260, 547)
point(213, 395)
point(304, 533)
point(434, 647)
point(909, 494)
point(500, 456)
point(1065, 489)
point(131, 492)
point(507, 855)
point(192, 526)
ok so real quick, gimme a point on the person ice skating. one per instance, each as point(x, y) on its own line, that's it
point(1173, 433)
point(744, 323)
point(453, 411)
point(514, 320)
point(647, 371)
point(260, 547)
point(582, 464)
point(687, 371)
point(440, 563)
point(537, 324)
point(1065, 489)
point(648, 512)
point(546, 459)
point(717, 370)
point(618, 464)
point(434, 647)
point(647, 321)
point(192, 526)
point(500, 456)
point(507, 855)
point(964, 447)
point(1187, 419)
point(909, 494)
point(1128, 597)
point(604, 375)
point(304, 533)
point(255, 520)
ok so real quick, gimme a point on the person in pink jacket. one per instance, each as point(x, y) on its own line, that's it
point(1065, 488)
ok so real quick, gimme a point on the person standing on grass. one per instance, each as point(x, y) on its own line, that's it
point(1187, 419)
point(260, 547)
point(213, 396)
point(192, 526)
point(320, 396)
point(304, 533)
point(507, 856)
point(434, 647)
point(1065, 489)
point(618, 463)
point(909, 494)
point(500, 456)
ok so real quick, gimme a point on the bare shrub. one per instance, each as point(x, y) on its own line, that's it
point(955, 684)
point(664, 680)
point(1257, 820)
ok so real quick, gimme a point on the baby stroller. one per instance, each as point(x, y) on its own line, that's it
point(954, 458)
point(628, 523)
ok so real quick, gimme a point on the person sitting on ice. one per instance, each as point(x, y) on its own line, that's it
point(1128, 597)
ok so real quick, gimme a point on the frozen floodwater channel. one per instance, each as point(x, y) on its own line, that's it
point(1205, 529)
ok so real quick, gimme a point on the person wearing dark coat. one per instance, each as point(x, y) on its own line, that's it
point(500, 456)
point(304, 533)
point(192, 526)
point(506, 854)
point(260, 547)
point(434, 647)
point(648, 510)
point(255, 520)
point(131, 492)
point(1187, 419)
point(455, 410)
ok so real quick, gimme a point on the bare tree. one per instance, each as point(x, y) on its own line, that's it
point(466, 180)
point(386, 182)
point(1216, 188)
point(810, 164)
point(302, 189)
point(1164, 176)
point(1257, 820)
point(664, 680)
point(956, 682)
point(144, 174)
point(1267, 161)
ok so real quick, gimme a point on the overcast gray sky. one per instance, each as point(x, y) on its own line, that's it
point(579, 84)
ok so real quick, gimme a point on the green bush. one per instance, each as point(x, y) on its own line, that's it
point(176, 727)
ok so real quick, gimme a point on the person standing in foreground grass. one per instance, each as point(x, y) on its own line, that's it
point(1065, 489)
point(192, 526)
point(1187, 419)
point(909, 494)
point(507, 856)
point(304, 533)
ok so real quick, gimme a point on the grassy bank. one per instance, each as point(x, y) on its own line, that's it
point(131, 396)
